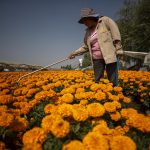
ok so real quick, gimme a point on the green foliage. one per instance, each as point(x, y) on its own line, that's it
point(86, 60)
point(36, 114)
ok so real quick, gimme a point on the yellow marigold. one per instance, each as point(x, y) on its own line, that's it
point(33, 146)
point(5, 99)
point(89, 95)
point(3, 109)
point(126, 112)
point(101, 129)
point(118, 89)
point(118, 130)
point(100, 95)
point(139, 121)
point(114, 97)
point(121, 96)
point(122, 142)
point(50, 108)
point(2, 146)
point(40, 83)
point(68, 90)
point(48, 121)
point(65, 110)
point(41, 95)
point(48, 87)
point(95, 109)
point(80, 90)
point(74, 145)
point(83, 102)
point(19, 124)
point(60, 128)
point(118, 105)
point(51, 93)
point(95, 141)
point(57, 84)
point(95, 87)
point(6, 119)
point(67, 98)
point(17, 92)
point(115, 116)
point(4, 85)
point(35, 135)
point(31, 92)
point(127, 99)
point(110, 107)
point(79, 113)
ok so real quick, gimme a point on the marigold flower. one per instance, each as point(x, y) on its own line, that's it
point(65, 110)
point(122, 142)
point(33, 146)
point(60, 128)
point(5, 99)
point(67, 98)
point(115, 116)
point(80, 90)
point(128, 112)
point(19, 124)
point(50, 108)
point(110, 107)
point(118, 89)
point(95, 109)
point(6, 119)
point(95, 141)
point(83, 102)
point(127, 99)
point(74, 145)
point(100, 95)
point(35, 135)
point(101, 129)
point(79, 113)
point(48, 121)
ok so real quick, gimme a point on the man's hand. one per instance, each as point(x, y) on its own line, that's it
point(71, 56)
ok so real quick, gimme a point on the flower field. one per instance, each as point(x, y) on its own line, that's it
point(66, 110)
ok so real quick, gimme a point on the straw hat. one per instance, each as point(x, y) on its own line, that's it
point(87, 13)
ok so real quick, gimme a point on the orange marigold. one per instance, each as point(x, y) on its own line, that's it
point(79, 113)
point(95, 109)
point(5, 99)
point(19, 124)
point(6, 119)
point(122, 142)
point(67, 98)
point(35, 135)
point(95, 141)
point(33, 146)
point(110, 107)
point(60, 128)
point(115, 116)
point(74, 145)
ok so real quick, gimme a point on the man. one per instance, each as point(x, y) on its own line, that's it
point(103, 41)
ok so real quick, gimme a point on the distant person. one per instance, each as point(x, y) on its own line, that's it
point(103, 41)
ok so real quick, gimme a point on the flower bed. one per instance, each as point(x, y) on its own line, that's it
point(66, 110)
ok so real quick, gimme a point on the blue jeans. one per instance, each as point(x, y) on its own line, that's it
point(111, 70)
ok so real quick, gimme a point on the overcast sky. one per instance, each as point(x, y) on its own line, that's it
point(43, 31)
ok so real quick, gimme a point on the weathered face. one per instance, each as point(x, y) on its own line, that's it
point(88, 22)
